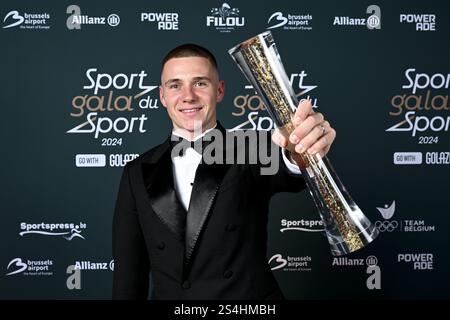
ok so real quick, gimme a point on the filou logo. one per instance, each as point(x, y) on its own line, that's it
point(225, 18)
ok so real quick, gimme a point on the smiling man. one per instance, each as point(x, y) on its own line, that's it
point(200, 230)
point(190, 90)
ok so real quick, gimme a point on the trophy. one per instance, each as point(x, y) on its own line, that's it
point(346, 227)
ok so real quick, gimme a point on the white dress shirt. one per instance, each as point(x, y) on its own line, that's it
point(185, 166)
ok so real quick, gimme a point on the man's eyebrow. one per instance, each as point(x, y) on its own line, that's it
point(171, 81)
point(175, 80)
point(201, 78)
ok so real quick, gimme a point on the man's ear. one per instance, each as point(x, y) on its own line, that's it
point(161, 96)
point(220, 91)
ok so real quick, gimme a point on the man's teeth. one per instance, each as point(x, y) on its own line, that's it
point(190, 110)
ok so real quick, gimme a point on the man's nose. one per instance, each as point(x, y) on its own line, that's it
point(188, 93)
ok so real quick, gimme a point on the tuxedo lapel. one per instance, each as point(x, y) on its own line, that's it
point(206, 184)
point(158, 179)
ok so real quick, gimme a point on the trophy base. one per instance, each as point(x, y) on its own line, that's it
point(341, 245)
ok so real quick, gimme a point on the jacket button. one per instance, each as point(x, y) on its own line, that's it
point(230, 227)
point(161, 245)
point(186, 285)
point(227, 274)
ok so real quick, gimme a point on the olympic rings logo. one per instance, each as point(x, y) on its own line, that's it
point(386, 225)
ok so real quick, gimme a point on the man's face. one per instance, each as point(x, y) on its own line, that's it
point(190, 90)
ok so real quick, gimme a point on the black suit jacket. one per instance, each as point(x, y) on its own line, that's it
point(216, 250)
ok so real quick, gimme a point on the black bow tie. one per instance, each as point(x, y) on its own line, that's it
point(179, 145)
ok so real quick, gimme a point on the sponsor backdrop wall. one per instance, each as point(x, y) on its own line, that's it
point(79, 98)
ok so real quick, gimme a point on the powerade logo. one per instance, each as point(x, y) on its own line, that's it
point(423, 22)
point(418, 261)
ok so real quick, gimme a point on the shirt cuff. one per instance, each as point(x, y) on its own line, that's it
point(293, 168)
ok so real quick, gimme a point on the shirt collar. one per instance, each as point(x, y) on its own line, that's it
point(196, 138)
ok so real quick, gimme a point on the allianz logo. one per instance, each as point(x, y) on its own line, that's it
point(89, 265)
point(344, 261)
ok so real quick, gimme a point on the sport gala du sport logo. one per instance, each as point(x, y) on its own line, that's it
point(420, 112)
point(101, 102)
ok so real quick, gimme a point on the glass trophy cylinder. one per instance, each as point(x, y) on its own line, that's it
point(346, 227)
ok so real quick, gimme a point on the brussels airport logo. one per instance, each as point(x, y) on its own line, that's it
point(423, 22)
point(76, 19)
point(418, 261)
point(290, 263)
point(35, 21)
point(373, 21)
point(421, 110)
point(290, 21)
point(406, 225)
point(164, 21)
point(225, 18)
point(302, 225)
point(102, 102)
point(29, 267)
point(257, 117)
point(68, 231)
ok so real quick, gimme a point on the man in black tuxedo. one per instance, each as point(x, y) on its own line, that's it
point(200, 229)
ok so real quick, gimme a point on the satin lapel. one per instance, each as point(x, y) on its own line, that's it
point(207, 182)
point(158, 178)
